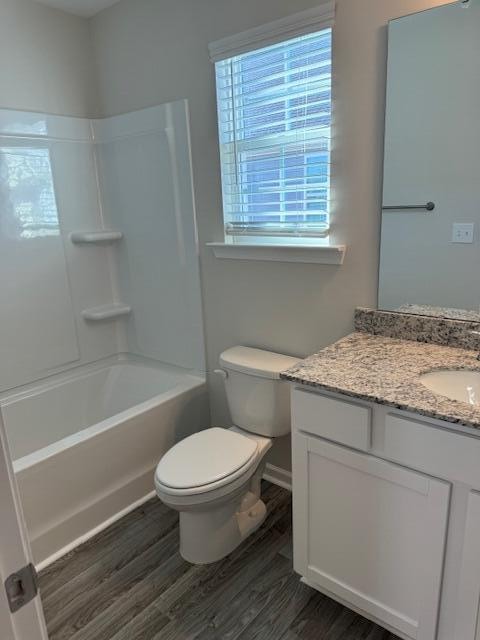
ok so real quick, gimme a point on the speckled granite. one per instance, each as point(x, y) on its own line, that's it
point(386, 370)
point(405, 326)
point(440, 312)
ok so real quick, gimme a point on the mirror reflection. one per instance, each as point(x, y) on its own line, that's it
point(430, 253)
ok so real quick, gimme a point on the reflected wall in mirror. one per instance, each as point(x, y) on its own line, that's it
point(430, 258)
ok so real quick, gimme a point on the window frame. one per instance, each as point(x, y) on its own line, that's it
point(302, 24)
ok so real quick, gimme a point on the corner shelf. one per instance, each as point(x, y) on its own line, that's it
point(106, 312)
point(95, 237)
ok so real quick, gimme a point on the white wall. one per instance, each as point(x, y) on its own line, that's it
point(152, 51)
point(432, 153)
point(45, 60)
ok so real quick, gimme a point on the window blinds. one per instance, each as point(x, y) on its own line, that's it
point(274, 115)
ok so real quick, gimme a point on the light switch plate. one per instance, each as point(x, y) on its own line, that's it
point(462, 232)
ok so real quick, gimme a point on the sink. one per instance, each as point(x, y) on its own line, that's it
point(456, 384)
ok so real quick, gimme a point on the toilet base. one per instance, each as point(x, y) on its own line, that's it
point(208, 536)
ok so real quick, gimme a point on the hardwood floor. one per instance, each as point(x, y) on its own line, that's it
point(130, 583)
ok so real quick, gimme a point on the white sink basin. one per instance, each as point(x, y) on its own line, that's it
point(455, 384)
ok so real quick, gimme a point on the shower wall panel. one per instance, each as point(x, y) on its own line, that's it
point(48, 187)
point(147, 192)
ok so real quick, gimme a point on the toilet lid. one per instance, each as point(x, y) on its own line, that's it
point(204, 458)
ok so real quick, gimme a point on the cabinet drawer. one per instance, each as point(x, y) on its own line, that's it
point(338, 420)
point(438, 451)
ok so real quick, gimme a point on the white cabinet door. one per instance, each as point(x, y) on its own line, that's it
point(467, 625)
point(370, 533)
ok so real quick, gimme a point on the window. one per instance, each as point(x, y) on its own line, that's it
point(274, 115)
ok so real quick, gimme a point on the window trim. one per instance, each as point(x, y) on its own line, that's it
point(302, 23)
point(298, 24)
point(304, 253)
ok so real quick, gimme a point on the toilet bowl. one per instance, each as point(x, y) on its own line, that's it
point(219, 504)
point(213, 477)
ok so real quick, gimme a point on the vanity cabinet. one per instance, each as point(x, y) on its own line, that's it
point(373, 525)
point(370, 532)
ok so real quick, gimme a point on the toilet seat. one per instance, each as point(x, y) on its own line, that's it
point(207, 461)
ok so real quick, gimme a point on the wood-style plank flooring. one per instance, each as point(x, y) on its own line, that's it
point(130, 583)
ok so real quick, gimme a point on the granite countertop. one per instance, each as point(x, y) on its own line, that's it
point(386, 370)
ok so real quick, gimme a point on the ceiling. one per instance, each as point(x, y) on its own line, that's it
point(84, 8)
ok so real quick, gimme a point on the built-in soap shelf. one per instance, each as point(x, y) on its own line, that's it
point(106, 312)
point(95, 237)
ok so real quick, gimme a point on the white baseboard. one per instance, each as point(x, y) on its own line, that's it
point(93, 532)
point(278, 476)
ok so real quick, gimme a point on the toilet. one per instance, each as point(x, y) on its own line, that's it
point(213, 477)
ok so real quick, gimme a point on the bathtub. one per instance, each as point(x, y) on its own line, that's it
point(85, 444)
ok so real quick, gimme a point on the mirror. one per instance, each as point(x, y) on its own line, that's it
point(430, 242)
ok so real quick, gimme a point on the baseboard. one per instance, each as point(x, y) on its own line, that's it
point(273, 474)
point(278, 476)
point(93, 532)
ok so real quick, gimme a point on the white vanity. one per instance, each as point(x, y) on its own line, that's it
point(386, 430)
point(387, 501)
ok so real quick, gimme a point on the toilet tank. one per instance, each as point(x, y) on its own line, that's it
point(259, 401)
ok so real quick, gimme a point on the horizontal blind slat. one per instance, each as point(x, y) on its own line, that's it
point(282, 91)
point(316, 69)
point(255, 130)
point(266, 109)
point(233, 68)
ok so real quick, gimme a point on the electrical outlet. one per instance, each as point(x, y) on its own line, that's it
point(462, 232)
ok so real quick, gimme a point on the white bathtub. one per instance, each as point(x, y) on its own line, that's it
point(85, 444)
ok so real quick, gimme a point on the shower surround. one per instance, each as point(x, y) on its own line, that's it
point(101, 334)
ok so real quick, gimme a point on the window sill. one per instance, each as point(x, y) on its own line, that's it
point(333, 254)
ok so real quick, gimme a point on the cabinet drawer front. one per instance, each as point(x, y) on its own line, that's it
point(338, 420)
point(439, 452)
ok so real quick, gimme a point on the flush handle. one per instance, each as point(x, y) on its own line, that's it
point(222, 373)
